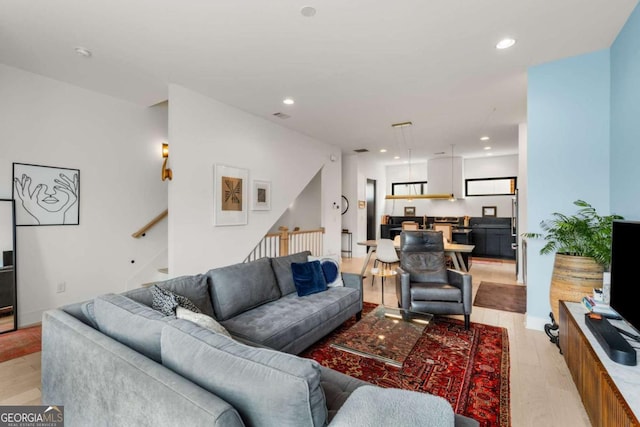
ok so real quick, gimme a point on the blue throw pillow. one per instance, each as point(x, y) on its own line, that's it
point(331, 268)
point(308, 277)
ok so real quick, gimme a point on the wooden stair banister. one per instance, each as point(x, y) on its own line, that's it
point(150, 224)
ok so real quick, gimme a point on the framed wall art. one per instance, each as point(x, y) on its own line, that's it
point(489, 211)
point(46, 195)
point(409, 211)
point(261, 195)
point(230, 195)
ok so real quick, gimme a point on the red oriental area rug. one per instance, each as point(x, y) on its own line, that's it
point(468, 368)
point(20, 343)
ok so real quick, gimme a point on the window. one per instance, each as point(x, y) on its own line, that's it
point(491, 186)
point(408, 188)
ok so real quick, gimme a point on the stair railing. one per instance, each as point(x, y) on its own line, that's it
point(150, 224)
point(287, 242)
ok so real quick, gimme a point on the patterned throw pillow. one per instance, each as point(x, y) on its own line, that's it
point(331, 269)
point(201, 319)
point(166, 301)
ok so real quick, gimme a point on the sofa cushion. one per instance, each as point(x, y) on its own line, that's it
point(377, 407)
point(337, 388)
point(202, 320)
point(88, 309)
point(308, 278)
point(131, 323)
point(266, 387)
point(166, 301)
point(276, 324)
point(330, 268)
point(282, 269)
point(237, 288)
point(195, 288)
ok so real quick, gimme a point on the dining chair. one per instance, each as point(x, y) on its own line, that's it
point(386, 255)
point(446, 231)
point(410, 225)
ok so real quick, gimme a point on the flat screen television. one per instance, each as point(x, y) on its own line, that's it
point(625, 274)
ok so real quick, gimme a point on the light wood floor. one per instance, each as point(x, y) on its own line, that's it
point(542, 391)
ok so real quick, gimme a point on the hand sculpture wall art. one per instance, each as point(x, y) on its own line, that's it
point(46, 195)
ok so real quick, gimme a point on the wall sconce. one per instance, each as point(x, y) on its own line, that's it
point(166, 172)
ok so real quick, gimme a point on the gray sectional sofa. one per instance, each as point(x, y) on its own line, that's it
point(116, 361)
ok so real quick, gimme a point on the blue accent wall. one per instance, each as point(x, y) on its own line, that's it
point(568, 106)
point(625, 120)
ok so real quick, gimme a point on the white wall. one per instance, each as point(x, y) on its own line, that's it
point(116, 146)
point(204, 132)
point(356, 170)
point(483, 167)
point(305, 210)
point(350, 191)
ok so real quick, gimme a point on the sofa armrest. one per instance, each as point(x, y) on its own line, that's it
point(352, 280)
point(403, 288)
point(462, 281)
point(375, 406)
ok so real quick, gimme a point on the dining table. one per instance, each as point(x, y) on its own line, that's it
point(453, 250)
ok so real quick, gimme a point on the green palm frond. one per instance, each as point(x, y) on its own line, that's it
point(584, 234)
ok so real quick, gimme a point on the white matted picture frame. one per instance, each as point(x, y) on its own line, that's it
point(489, 211)
point(230, 195)
point(260, 195)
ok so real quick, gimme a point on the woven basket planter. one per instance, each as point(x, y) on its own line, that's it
point(573, 278)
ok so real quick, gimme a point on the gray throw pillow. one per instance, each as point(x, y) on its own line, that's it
point(166, 301)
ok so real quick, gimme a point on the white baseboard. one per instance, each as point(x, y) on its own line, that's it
point(28, 319)
point(536, 323)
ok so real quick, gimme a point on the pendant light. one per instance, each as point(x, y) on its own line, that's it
point(409, 196)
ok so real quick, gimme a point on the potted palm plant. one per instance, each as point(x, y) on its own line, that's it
point(582, 244)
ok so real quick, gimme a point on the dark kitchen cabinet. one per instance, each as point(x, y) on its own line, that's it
point(461, 236)
point(479, 239)
point(492, 242)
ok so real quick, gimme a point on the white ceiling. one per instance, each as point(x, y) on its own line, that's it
point(353, 69)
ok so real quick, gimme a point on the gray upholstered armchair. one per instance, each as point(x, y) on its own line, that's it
point(424, 284)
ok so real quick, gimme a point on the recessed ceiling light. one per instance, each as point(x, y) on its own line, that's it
point(383, 150)
point(489, 154)
point(505, 43)
point(396, 157)
point(484, 138)
point(487, 148)
point(308, 11)
point(288, 101)
point(83, 51)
